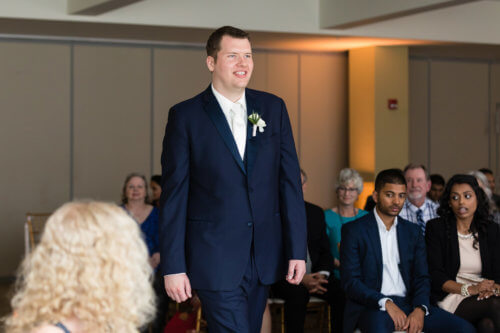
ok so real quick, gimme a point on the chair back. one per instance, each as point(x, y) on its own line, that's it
point(33, 228)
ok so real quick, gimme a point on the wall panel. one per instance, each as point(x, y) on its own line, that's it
point(495, 120)
point(34, 138)
point(179, 74)
point(323, 123)
point(112, 118)
point(288, 89)
point(260, 71)
point(418, 112)
point(459, 121)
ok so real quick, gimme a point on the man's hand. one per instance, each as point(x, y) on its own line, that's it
point(296, 271)
point(396, 314)
point(415, 321)
point(178, 287)
point(336, 263)
point(154, 260)
point(313, 283)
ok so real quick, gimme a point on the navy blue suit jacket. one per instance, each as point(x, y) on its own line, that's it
point(214, 205)
point(361, 266)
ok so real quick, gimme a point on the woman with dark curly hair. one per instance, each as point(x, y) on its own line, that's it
point(463, 253)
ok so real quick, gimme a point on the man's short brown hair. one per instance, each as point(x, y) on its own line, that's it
point(213, 42)
point(413, 166)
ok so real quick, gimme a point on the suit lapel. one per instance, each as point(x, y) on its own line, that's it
point(251, 145)
point(403, 251)
point(376, 244)
point(455, 251)
point(215, 113)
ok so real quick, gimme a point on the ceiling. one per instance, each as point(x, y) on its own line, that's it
point(280, 24)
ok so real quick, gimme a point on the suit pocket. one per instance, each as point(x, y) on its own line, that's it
point(268, 139)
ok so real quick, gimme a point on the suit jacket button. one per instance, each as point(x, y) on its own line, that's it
point(250, 224)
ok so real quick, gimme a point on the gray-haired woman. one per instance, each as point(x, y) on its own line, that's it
point(349, 186)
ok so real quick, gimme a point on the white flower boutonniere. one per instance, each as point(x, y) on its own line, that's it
point(257, 122)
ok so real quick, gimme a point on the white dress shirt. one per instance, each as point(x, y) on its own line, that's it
point(240, 106)
point(392, 281)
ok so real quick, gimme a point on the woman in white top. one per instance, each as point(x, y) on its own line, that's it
point(463, 252)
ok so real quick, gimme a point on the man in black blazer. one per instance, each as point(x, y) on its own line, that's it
point(318, 281)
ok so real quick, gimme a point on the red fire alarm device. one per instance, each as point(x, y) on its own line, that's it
point(392, 104)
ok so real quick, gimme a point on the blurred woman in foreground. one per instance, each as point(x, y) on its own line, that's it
point(90, 273)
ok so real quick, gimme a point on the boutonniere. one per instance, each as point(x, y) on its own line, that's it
point(257, 122)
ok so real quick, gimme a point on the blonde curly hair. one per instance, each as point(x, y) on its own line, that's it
point(91, 264)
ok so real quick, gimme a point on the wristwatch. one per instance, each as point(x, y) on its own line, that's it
point(421, 307)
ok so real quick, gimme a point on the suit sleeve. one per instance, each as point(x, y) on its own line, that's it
point(495, 253)
point(420, 278)
point(435, 256)
point(292, 207)
point(350, 269)
point(174, 196)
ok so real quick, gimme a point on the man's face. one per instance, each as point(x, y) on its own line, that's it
point(234, 65)
point(418, 185)
point(436, 192)
point(390, 199)
point(491, 181)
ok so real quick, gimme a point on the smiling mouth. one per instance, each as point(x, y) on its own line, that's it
point(240, 73)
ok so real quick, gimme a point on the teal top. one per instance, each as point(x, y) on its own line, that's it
point(334, 223)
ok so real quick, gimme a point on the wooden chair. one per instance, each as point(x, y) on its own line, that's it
point(315, 304)
point(33, 228)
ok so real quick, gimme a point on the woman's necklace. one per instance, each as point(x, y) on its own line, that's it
point(468, 236)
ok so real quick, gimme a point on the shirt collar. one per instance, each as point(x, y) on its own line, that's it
point(225, 103)
point(414, 208)
point(380, 223)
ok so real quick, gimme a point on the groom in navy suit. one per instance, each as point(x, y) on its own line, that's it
point(384, 269)
point(232, 216)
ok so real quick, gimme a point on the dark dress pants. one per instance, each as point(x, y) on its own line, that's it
point(438, 320)
point(239, 310)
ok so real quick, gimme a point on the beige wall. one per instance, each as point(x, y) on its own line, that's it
point(452, 114)
point(323, 124)
point(378, 137)
point(361, 110)
point(34, 138)
point(76, 117)
point(391, 126)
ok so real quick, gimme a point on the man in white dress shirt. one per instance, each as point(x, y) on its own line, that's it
point(384, 269)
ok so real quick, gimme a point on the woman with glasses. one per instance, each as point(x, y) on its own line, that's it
point(349, 186)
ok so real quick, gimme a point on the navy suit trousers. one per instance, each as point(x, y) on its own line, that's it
point(438, 320)
point(239, 310)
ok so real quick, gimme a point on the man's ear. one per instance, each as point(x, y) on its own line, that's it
point(375, 196)
point(429, 184)
point(210, 63)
